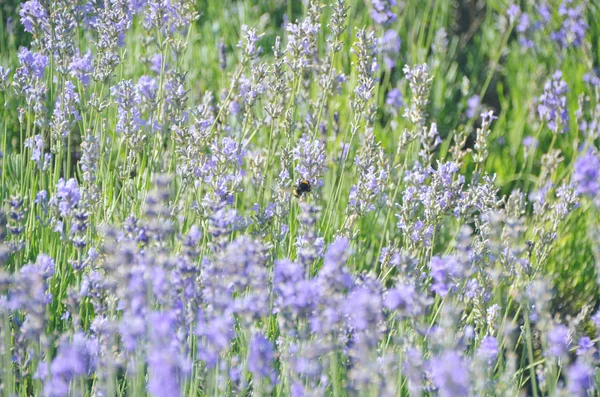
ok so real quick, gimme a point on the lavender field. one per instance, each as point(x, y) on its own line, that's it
point(299, 198)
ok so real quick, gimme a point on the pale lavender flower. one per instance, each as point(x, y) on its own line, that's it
point(363, 308)
point(302, 46)
point(147, 87)
point(369, 191)
point(16, 217)
point(30, 293)
point(363, 314)
point(333, 272)
point(440, 42)
point(4, 81)
point(419, 81)
point(309, 245)
point(366, 68)
point(90, 156)
point(413, 367)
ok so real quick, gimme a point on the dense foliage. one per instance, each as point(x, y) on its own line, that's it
point(290, 198)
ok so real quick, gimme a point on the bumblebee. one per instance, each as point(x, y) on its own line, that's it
point(302, 187)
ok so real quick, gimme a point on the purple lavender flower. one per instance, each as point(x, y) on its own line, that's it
point(544, 12)
point(389, 46)
point(28, 82)
point(558, 341)
point(419, 81)
point(302, 43)
point(573, 28)
point(129, 117)
point(513, 12)
point(161, 15)
point(65, 113)
point(36, 145)
point(523, 23)
point(111, 23)
point(261, 358)
point(333, 271)
point(33, 15)
point(67, 196)
point(215, 334)
point(552, 104)
point(165, 364)
point(156, 64)
point(580, 379)
point(29, 292)
point(394, 99)
point(249, 43)
point(81, 67)
point(406, 300)
point(363, 307)
point(445, 272)
point(586, 174)
point(530, 141)
point(32, 63)
point(381, 12)
point(295, 296)
point(473, 104)
point(310, 156)
point(450, 374)
point(147, 88)
point(585, 344)
point(74, 359)
point(488, 349)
